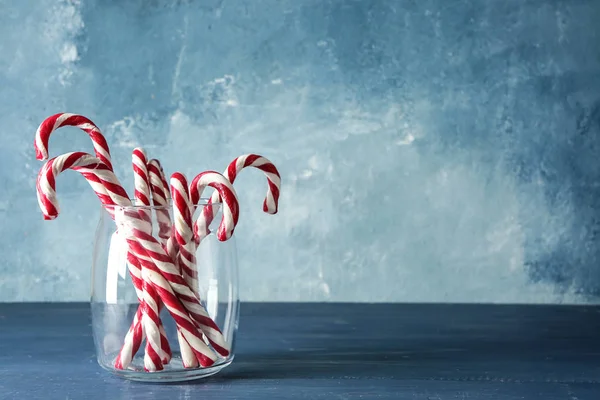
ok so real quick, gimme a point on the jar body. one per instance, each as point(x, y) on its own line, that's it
point(114, 300)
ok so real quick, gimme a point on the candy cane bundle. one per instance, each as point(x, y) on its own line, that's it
point(163, 269)
point(181, 302)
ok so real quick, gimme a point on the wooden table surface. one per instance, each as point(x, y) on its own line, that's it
point(330, 351)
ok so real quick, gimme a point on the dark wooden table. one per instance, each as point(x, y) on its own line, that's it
point(330, 351)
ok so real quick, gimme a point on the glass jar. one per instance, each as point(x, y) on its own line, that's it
point(114, 301)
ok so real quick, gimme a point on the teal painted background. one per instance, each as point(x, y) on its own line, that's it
point(440, 150)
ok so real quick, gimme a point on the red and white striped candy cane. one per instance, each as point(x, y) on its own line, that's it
point(153, 329)
point(143, 245)
point(99, 176)
point(270, 204)
point(183, 229)
point(226, 193)
point(161, 199)
point(225, 231)
point(182, 233)
point(52, 123)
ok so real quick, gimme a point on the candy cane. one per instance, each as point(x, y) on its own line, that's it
point(50, 124)
point(225, 231)
point(185, 309)
point(161, 199)
point(271, 201)
point(150, 318)
point(226, 193)
point(183, 229)
point(270, 204)
point(98, 174)
point(182, 224)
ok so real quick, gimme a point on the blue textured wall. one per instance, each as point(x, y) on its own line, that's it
point(437, 150)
